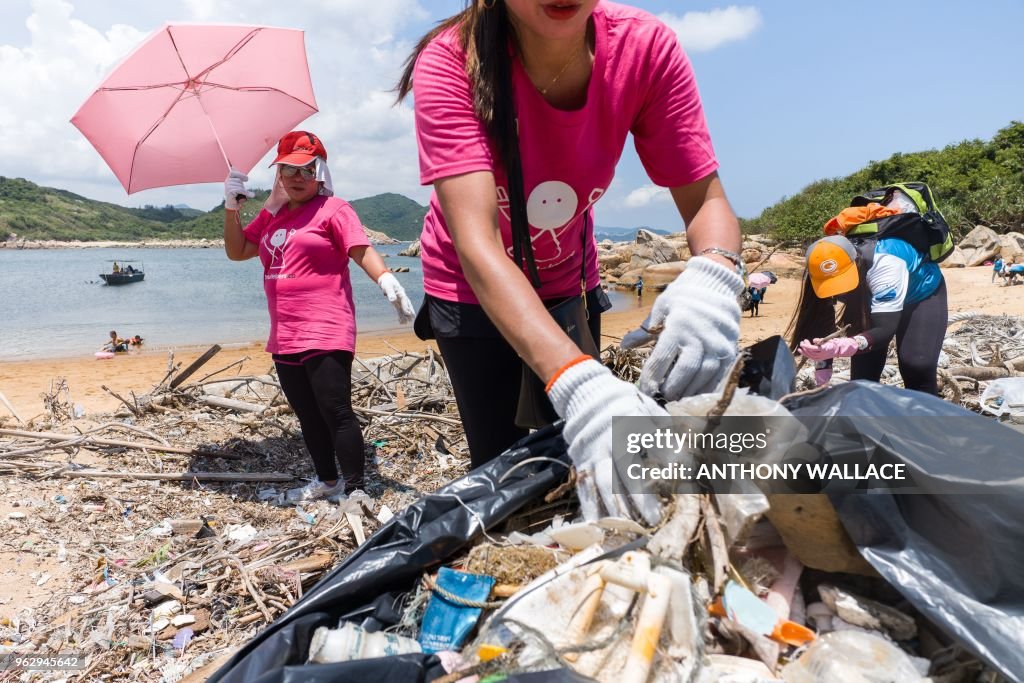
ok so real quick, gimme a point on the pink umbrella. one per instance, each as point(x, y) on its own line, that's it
point(192, 100)
point(759, 280)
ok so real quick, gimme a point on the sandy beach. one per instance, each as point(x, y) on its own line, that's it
point(24, 382)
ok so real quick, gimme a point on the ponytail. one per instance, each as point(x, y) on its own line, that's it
point(485, 34)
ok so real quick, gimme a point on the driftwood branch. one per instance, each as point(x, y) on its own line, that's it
point(232, 404)
point(182, 476)
point(980, 373)
point(223, 369)
point(3, 399)
point(97, 441)
point(413, 416)
point(198, 363)
point(130, 405)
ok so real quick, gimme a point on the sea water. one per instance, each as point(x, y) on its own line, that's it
point(53, 303)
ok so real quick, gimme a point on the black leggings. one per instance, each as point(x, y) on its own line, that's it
point(486, 374)
point(919, 336)
point(318, 385)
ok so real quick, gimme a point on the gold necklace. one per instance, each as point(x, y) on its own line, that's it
point(572, 60)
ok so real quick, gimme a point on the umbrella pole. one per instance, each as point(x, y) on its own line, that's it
point(213, 129)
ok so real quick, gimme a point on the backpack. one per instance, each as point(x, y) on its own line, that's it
point(745, 300)
point(926, 229)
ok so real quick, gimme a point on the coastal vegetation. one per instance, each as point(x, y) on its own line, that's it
point(33, 212)
point(975, 182)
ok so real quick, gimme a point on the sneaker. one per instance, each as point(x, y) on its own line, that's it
point(316, 490)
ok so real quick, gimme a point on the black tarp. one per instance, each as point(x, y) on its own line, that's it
point(365, 587)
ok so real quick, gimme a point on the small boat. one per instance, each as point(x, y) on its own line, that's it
point(123, 274)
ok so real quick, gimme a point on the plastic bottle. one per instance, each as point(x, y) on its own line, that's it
point(852, 657)
point(354, 642)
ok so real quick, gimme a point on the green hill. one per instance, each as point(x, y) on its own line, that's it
point(44, 213)
point(974, 182)
point(36, 212)
point(393, 214)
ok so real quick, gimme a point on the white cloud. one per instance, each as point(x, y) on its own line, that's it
point(355, 55)
point(704, 31)
point(44, 83)
point(646, 195)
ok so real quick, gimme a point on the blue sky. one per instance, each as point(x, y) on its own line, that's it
point(794, 91)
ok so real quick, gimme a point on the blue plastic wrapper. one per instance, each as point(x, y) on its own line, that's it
point(446, 624)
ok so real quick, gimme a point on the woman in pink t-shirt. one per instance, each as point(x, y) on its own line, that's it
point(523, 108)
point(305, 237)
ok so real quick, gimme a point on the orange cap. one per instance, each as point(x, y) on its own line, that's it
point(832, 266)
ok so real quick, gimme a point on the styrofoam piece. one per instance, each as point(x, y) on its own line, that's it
point(577, 536)
point(622, 525)
point(166, 609)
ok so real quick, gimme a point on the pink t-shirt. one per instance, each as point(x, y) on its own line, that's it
point(642, 84)
point(305, 274)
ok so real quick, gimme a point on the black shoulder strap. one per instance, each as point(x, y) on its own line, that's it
point(583, 250)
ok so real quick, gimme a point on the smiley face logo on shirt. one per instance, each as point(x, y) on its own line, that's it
point(274, 243)
point(550, 206)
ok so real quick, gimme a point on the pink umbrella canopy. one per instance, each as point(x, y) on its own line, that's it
point(759, 280)
point(192, 100)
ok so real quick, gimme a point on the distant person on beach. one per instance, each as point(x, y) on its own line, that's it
point(900, 294)
point(305, 236)
point(756, 294)
point(639, 287)
point(997, 268)
point(522, 111)
point(1012, 270)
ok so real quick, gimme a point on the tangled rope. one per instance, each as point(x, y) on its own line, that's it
point(431, 585)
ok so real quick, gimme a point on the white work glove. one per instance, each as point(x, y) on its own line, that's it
point(700, 321)
point(396, 295)
point(587, 395)
point(234, 185)
point(277, 198)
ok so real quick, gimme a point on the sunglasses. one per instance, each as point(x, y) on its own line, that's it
point(307, 172)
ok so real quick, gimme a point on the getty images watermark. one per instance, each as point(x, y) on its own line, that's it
point(777, 455)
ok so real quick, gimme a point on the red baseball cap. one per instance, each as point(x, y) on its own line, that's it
point(299, 148)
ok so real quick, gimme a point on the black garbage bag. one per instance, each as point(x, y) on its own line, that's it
point(955, 556)
point(768, 368)
point(367, 585)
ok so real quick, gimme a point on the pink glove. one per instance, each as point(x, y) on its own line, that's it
point(822, 376)
point(843, 347)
